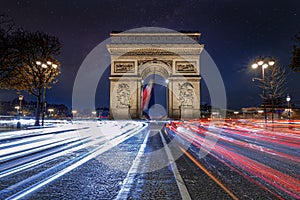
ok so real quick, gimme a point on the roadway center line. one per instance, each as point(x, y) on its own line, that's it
point(128, 181)
point(179, 181)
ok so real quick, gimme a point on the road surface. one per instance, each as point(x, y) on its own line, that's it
point(146, 160)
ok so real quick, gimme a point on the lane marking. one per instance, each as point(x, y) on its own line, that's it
point(128, 181)
point(208, 173)
point(179, 181)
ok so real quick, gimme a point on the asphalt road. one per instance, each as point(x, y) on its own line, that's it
point(136, 160)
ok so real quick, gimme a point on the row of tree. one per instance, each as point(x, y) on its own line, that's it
point(28, 61)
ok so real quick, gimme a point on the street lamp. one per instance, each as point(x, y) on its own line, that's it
point(20, 103)
point(236, 113)
point(74, 112)
point(45, 66)
point(264, 63)
point(51, 110)
point(94, 113)
point(17, 108)
point(288, 99)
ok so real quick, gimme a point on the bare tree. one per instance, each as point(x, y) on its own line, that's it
point(31, 64)
point(6, 27)
point(275, 81)
point(295, 62)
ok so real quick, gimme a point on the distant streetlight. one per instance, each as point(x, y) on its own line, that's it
point(18, 113)
point(45, 66)
point(94, 113)
point(51, 110)
point(20, 103)
point(264, 63)
point(288, 99)
point(74, 112)
point(17, 108)
point(236, 113)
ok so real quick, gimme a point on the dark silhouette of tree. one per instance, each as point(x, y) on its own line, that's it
point(295, 62)
point(29, 63)
point(6, 27)
point(276, 86)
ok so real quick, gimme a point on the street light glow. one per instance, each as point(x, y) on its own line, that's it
point(44, 65)
point(167, 81)
point(288, 98)
point(260, 63)
point(54, 66)
point(49, 62)
point(21, 97)
point(254, 66)
point(271, 62)
point(265, 65)
point(38, 62)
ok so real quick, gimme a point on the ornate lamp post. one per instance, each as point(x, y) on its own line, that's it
point(45, 66)
point(264, 63)
point(288, 99)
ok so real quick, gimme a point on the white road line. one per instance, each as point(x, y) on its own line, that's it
point(181, 186)
point(128, 181)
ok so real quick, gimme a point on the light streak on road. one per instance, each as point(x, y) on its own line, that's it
point(69, 147)
point(267, 155)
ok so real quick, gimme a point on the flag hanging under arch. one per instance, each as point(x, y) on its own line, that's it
point(147, 95)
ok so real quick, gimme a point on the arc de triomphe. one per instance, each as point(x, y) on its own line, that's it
point(136, 55)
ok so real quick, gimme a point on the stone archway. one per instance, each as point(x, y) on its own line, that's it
point(174, 56)
point(152, 68)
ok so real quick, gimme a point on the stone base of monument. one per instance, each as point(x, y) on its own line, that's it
point(187, 112)
point(121, 113)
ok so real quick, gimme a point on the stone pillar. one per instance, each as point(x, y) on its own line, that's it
point(187, 112)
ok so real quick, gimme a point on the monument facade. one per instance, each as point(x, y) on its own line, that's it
point(172, 55)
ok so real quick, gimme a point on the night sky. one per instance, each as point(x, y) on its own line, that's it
point(233, 31)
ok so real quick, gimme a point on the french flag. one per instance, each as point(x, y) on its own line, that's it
point(147, 95)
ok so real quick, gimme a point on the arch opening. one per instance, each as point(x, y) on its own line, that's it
point(154, 97)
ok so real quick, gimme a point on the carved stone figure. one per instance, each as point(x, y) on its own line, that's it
point(186, 94)
point(123, 94)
